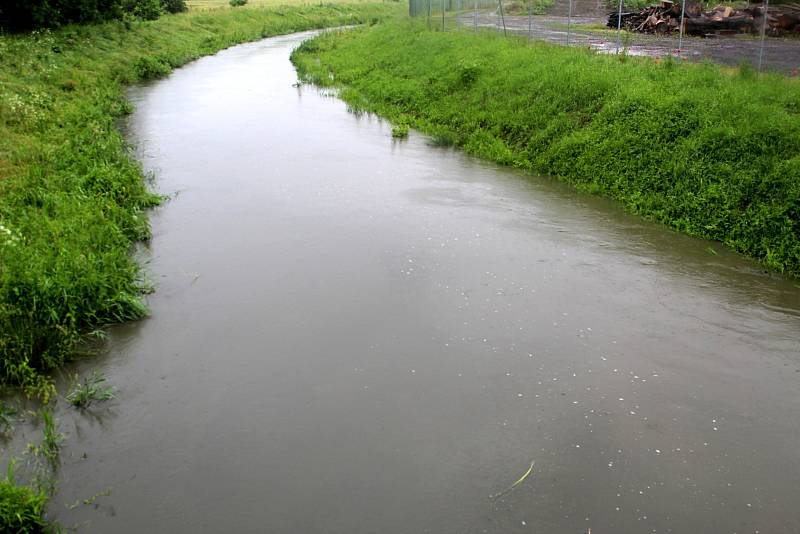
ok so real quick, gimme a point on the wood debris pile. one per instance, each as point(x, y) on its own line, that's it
point(666, 17)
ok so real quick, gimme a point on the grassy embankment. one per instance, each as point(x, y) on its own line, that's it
point(709, 151)
point(72, 200)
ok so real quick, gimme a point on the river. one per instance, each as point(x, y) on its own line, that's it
point(355, 334)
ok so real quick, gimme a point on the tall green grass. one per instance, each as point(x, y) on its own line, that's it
point(709, 151)
point(21, 507)
point(72, 200)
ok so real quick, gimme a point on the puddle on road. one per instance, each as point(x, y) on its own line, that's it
point(778, 54)
point(353, 334)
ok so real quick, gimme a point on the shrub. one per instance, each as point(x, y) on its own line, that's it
point(237, 3)
point(400, 131)
point(174, 6)
point(18, 15)
point(28, 14)
point(144, 9)
point(149, 68)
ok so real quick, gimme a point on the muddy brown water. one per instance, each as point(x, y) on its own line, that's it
point(352, 334)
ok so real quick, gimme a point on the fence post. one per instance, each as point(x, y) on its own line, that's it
point(619, 26)
point(429, 14)
point(530, 21)
point(680, 35)
point(502, 17)
point(443, 10)
point(763, 35)
point(569, 23)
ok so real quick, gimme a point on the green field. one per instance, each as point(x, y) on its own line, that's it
point(709, 151)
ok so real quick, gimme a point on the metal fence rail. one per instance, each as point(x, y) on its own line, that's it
point(610, 26)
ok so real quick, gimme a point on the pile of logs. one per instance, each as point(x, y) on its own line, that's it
point(666, 17)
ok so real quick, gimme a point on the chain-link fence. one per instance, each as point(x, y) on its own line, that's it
point(762, 35)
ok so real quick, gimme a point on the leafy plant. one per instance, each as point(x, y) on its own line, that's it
point(174, 6)
point(468, 72)
point(92, 389)
point(400, 131)
point(150, 68)
point(144, 9)
point(21, 508)
point(237, 3)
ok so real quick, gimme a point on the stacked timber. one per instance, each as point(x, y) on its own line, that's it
point(666, 17)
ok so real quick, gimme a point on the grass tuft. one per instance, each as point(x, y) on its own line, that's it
point(400, 131)
point(50, 447)
point(92, 389)
point(21, 507)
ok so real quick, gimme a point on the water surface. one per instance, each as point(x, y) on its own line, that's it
point(352, 334)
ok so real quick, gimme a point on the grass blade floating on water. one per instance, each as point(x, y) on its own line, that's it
point(519, 481)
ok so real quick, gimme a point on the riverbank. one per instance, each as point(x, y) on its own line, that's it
point(72, 199)
point(709, 151)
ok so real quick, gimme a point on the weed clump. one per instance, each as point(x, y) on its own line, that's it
point(400, 131)
point(150, 68)
point(50, 447)
point(22, 504)
point(21, 507)
point(92, 389)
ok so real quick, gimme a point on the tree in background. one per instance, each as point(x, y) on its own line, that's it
point(17, 15)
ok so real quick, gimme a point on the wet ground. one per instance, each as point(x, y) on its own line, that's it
point(352, 334)
point(779, 54)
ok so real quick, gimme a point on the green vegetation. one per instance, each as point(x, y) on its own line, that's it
point(22, 504)
point(92, 389)
point(521, 7)
point(72, 200)
point(709, 151)
point(50, 447)
point(21, 507)
point(28, 14)
point(400, 131)
point(237, 3)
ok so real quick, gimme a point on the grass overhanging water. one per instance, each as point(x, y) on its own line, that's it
point(710, 151)
point(72, 199)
